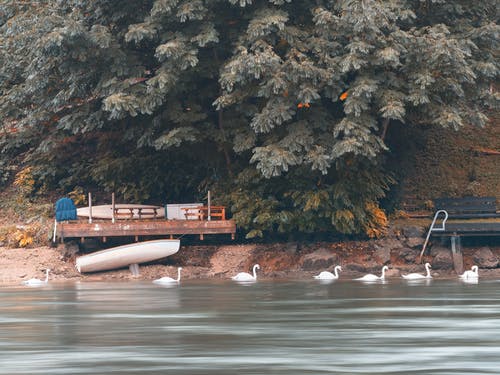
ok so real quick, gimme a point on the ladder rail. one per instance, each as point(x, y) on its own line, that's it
point(442, 228)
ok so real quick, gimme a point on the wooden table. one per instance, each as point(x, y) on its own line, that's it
point(124, 211)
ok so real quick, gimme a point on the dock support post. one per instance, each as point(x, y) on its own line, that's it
point(209, 214)
point(90, 208)
point(54, 237)
point(456, 253)
point(134, 269)
point(113, 207)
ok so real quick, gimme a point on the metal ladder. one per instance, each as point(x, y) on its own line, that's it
point(435, 229)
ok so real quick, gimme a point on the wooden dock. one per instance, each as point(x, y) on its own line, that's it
point(463, 217)
point(135, 228)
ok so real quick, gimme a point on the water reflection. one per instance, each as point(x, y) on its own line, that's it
point(419, 282)
point(283, 327)
point(245, 282)
point(326, 281)
point(167, 285)
point(368, 281)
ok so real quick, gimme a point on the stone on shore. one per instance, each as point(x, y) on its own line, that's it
point(319, 259)
point(442, 258)
point(484, 258)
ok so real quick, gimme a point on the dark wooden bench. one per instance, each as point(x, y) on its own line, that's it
point(467, 216)
point(468, 207)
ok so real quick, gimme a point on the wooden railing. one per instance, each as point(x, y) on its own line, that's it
point(205, 213)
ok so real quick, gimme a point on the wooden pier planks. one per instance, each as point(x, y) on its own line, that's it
point(135, 228)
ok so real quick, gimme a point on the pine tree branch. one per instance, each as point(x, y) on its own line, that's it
point(220, 124)
point(385, 126)
point(224, 145)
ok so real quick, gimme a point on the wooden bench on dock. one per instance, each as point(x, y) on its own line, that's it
point(468, 207)
point(466, 216)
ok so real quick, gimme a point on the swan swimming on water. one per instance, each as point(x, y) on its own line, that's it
point(473, 273)
point(244, 276)
point(38, 282)
point(371, 277)
point(418, 276)
point(325, 275)
point(470, 281)
point(169, 280)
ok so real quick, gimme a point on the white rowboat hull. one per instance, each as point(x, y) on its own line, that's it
point(123, 256)
point(105, 211)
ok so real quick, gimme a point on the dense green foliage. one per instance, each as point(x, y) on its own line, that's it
point(279, 107)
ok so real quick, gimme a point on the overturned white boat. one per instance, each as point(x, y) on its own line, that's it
point(127, 255)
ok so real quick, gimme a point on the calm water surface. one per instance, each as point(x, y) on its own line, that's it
point(281, 327)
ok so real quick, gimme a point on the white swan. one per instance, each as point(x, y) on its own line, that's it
point(38, 282)
point(169, 280)
point(244, 276)
point(473, 273)
point(419, 276)
point(371, 277)
point(325, 275)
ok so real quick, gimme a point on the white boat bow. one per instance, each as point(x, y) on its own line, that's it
point(126, 255)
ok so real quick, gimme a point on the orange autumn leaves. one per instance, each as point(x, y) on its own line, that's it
point(342, 97)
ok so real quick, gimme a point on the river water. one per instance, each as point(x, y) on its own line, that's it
point(270, 327)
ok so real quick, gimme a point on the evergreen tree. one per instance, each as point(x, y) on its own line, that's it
point(282, 107)
point(327, 83)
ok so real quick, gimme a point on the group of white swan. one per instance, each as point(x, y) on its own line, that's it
point(241, 277)
point(472, 274)
point(325, 275)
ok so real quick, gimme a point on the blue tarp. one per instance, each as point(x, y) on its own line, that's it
point(65, 210)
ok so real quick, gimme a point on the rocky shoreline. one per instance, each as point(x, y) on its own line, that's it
point(399, 250)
